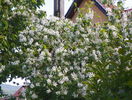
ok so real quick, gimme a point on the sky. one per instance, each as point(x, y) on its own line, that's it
point(48, 7)
point(128, 4)
point(20, 82)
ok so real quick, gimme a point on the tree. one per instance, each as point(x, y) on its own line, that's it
point(14, 18)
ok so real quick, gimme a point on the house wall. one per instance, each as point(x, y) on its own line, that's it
point(99, 16)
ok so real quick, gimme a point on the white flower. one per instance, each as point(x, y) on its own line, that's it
point(125, 17)
point(77, 67)
point(57, 34)
point(89, 16)
point(83, 69)
point(112, 27)
point(82, 76)
point(45, 38)
point(90, 74)
point(34, 96)
point(65, 78)
point(37, 84)
point(50, 76)
point(31, 41)
point(44, 21)
point(65, 92)
point(71, 68)
point(60, 74)
point(84, 88)
point(59, 50)
point(48, 81)
point(15, 62)
point(66, 70)
point(61, 81)
point(84, 93)
point(74, 76)
point(99, 53)
point(83, 63)
point(47, 69)
point(79, 84)
point(54, 68)
point(81, 50)
point(114, 34)
point(128, 68)
point(30, 61)
point(54, 84)
point(41, 56)
point(94, 55)
point(39, 50)
point(109, 11)
point(78, 19)
point(99, 80)
point(58, 92)
point(48, 91)
point(77, 32)
point(8, 2)
point(45, 76)
point(86, 40)
point(92, 92)
point(75, 95)
point(22, 38)
point(36, 44)
point(25, 13)
point(31, 86)
point(49, 59)
point(2, 67)
point(105, 34)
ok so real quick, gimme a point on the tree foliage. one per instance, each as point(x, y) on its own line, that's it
point(14, 18)
point(66, 60)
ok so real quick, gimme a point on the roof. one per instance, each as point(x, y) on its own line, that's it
point(70, 13)
point(19, 91)
point(72, 8)
point(128, 10)
point(3, 99)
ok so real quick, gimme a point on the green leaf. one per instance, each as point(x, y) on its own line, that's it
point(5, 24)
point(34, 1)
point(2, 37)
point(129, 83)
point(44, 46)
point(121, 51)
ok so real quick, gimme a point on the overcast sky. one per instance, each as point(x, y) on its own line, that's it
point(48, 7)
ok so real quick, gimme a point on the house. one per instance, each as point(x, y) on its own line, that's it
point(100, 14)
point(3, 99)
point(129, 13)
point(19, 93)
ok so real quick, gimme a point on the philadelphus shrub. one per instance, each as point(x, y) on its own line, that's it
point(66, 61)
point(112, 72)
point(56, 58)
point(61, 56)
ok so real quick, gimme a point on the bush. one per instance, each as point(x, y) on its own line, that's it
point(82, 60)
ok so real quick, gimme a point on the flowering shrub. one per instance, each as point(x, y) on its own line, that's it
point(112, 71)
point(82, 60)
point(55, 59)
point(67, 60)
